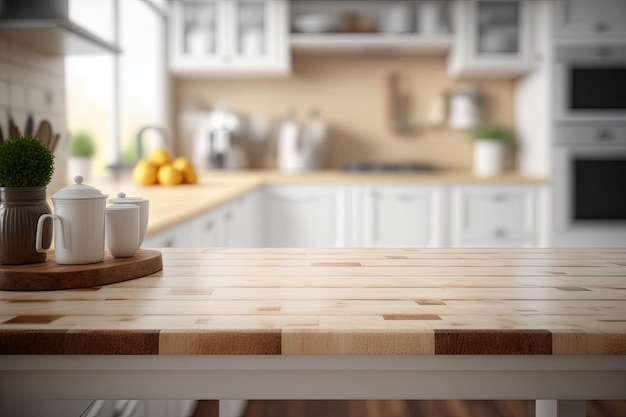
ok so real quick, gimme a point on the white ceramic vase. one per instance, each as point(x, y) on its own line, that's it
point(79, 166)
point(488, 157)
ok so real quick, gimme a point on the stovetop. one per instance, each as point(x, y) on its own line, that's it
point(358, 166)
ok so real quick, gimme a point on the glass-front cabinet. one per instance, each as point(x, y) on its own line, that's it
point(493, 38)
point(498, 28)
point(229, 37)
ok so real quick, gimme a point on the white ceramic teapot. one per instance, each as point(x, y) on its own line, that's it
point(78, 224)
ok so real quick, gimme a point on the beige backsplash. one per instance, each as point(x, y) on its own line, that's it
point(351, 94)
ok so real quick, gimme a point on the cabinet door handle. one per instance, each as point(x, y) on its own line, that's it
point(499, 198)
point(228, 215)
point(209, 225)
point(604, 135)
point(399, 197)
point(601, 27)
point(604, 52)
point(500, 232)
point(406, 197)
point(303, 200)
point(169, 243)
point(566, 12)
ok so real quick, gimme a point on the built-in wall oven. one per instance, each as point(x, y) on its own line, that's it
point(590, 185)
point(590, 84)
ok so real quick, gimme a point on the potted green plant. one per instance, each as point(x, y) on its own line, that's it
point(81, 149)
point(26, 168)
point(490, 142)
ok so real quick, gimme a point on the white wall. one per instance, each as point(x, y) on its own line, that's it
point(533, 99)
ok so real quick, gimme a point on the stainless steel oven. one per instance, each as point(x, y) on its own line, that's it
point(590, 186)
point(590, 84)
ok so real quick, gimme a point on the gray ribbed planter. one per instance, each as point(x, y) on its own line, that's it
point(20, 208)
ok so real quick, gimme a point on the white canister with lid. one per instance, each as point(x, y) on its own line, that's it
point(144, 211)
point(465, 108)
point(78, 224)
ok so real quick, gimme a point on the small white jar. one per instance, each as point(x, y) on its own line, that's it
point(122, 230)
point(144, 211)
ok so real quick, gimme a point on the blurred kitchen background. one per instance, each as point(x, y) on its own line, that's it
point(307, 85)
point(163, 64)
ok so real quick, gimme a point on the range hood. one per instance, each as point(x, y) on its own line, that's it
point(44, 26)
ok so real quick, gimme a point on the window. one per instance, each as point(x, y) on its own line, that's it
point(113, 97)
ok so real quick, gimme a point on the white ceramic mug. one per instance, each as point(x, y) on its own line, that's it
point(144, 211)
point(122, 230)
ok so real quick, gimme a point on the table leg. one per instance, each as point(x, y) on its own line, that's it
point(232, 408)
point(560, 408)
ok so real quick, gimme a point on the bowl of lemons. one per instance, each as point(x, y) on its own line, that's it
point(161, 168)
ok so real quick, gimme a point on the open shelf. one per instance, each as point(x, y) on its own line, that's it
point(370, 42)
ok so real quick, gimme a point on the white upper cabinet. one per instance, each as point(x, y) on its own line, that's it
point(596, 21)
point(407, 216)
point(229, 37)
point(492, 39)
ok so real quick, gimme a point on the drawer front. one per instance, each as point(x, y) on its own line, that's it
point(594, 18)
point(590, 135)
point(493, 216)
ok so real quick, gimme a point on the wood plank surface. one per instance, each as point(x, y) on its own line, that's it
point(336, 301)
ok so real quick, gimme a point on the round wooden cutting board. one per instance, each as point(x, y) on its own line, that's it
point(51, 276)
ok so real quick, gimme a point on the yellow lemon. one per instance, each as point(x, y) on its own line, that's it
point(145, 172)
point(168, 175)
point(160, 157)
point(183, 165)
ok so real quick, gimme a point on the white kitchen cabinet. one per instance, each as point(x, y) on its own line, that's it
point(370, 215)
point(203, 231)
point(241, 221)
point(584, 21)
point(229, 37)
point(306, 215)
point(235, 224)
point(492, 39)
point(179, 236)
point(399, 216)
point(494, 216)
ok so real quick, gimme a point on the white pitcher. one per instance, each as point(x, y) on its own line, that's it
point(78, 224)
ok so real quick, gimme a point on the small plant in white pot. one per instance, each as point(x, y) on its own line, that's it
point(81, 150)
point(490, 142)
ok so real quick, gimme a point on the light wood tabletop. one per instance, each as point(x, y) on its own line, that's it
point(337, 301)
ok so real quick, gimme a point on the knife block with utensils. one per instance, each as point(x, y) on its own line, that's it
point(44, 133)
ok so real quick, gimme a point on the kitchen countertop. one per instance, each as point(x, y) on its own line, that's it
point(172, 205)
point(337, 301)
